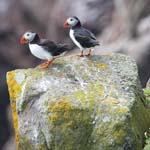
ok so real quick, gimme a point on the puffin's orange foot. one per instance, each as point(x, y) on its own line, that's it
point(80, 55)
point(46, 64)
point(88, 54)
point(43, 66)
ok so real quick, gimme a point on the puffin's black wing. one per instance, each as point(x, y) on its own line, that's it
point(53, 48)
point(86, 38)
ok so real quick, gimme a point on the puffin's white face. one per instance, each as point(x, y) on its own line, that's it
point(27, 37)
point(71, 22)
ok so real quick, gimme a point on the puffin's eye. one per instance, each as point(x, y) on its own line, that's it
point(71, 19)
point(28, 34)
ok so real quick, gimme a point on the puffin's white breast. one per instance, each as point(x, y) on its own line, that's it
point(71, 33)
point(39, 52)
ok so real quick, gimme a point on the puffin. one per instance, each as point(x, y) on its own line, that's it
point(82, 37)
point(43, 48)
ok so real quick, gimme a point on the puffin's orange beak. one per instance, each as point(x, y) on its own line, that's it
point(66, 24)
point(22, 40)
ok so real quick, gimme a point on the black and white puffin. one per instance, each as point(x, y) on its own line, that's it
point(82, 37)
point(43, 48)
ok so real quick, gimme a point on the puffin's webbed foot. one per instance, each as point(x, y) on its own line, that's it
point(82, 55)
point(46, 64)
point(89, 53)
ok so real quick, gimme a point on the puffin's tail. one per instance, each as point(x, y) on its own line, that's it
point(97, 43)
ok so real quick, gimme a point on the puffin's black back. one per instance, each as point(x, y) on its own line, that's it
point(53, 48)
point(86, 38)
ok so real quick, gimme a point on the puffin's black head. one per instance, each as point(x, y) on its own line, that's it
point(72, 22)
point(29, 37)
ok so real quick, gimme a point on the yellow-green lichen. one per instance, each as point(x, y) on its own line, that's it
point(14, 91)
point(42, 147)
point(111, 101)
point(35, 73)
point(119, 134)
point(89, 98)
point(25, 144)
point(69, 125)
point(107, 55)
point(28, 144)
point(122, 110)
point(59, 109)
point(102, 66)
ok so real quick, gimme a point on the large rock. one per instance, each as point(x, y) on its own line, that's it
point(91, 103)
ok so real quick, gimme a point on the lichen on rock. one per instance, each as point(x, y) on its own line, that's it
point(14, 86)
point(90, 103)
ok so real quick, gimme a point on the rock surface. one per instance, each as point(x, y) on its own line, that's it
point(91, 103)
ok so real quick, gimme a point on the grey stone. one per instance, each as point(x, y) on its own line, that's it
point(90, 103)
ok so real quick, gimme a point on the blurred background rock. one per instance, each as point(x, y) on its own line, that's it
point(120, 25)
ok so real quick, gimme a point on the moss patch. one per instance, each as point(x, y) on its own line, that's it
point(147, 95)
point(147, 136)
point(119, 134)
point(140, 122)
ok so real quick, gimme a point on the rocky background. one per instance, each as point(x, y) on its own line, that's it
point(121, 26)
